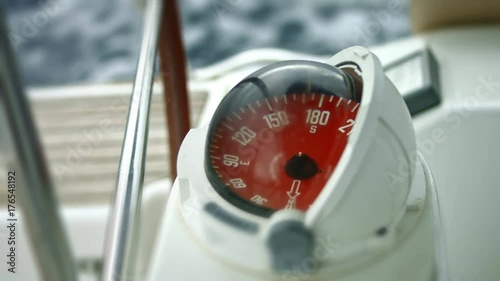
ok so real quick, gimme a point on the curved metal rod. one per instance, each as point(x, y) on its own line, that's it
point(123, 228)
point(34, 187)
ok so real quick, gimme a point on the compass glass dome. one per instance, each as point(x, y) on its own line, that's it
point(278, 135)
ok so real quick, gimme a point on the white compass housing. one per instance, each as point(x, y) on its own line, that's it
point(373, 220)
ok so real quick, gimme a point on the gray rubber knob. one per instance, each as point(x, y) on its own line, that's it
point(291, 244)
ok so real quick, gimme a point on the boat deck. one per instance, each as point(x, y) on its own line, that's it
point(82, 130)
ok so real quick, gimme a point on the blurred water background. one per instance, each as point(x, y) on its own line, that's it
point(93, 41)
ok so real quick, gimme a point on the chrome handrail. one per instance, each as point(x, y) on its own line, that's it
point(34, 186)
point(123, 228)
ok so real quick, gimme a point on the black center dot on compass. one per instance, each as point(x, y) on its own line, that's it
point(301, 167)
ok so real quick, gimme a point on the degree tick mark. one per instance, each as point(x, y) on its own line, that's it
point(227, 126)
point(237, 116)
point(338, 103)
point(269, 105)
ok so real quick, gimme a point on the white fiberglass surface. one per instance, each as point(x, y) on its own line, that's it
point(462, 148)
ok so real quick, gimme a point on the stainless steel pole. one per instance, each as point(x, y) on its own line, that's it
point(123, 233)
point(34, 186)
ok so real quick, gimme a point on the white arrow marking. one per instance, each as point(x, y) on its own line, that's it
point(294, 190)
